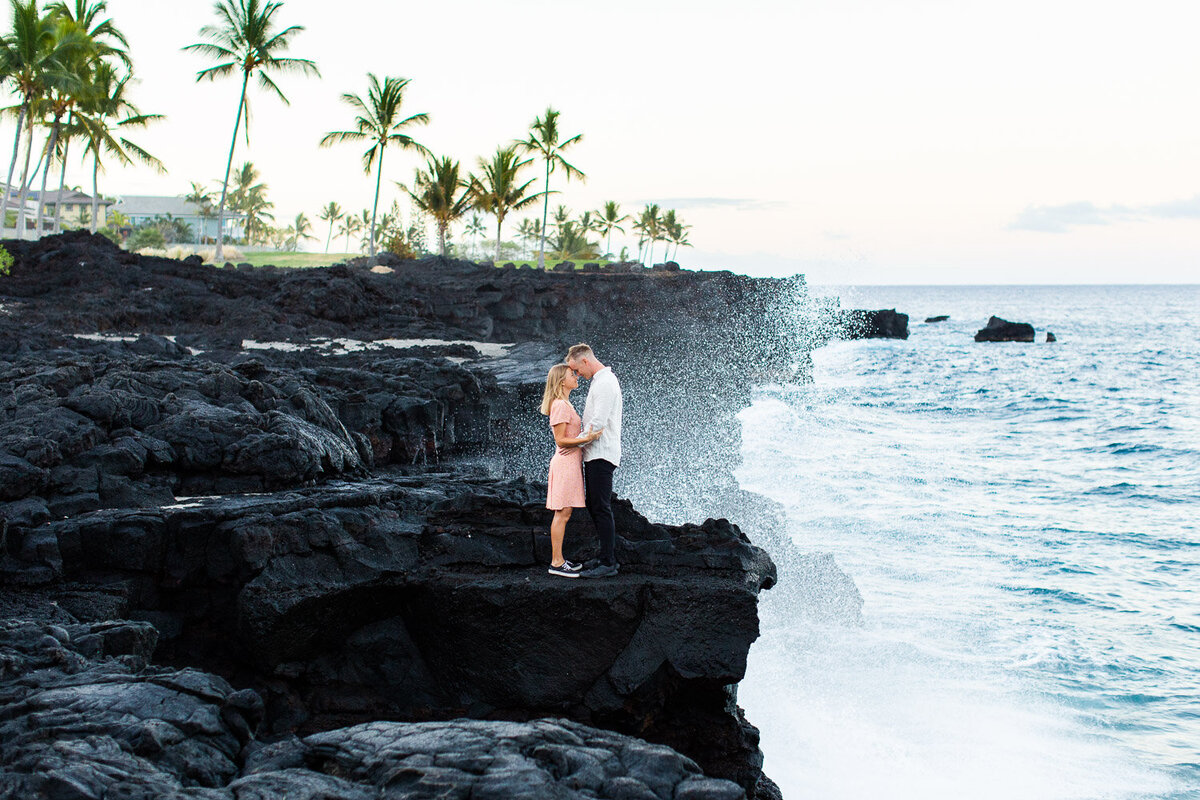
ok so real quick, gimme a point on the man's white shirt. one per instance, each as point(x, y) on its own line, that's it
point(602, 409)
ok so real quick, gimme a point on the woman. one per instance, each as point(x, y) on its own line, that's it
point(565, 485)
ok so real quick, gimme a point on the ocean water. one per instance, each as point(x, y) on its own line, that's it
point(1021, 522)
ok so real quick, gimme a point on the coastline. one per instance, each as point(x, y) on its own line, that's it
point(300, 557)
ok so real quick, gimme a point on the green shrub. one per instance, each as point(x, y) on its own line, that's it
point(147, 236)
point(6, 261)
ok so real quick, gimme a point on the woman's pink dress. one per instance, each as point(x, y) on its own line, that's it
point(565, 485)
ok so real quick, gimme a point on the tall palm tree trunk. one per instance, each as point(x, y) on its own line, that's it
point(12, 166)
point(229, 165)
point(62, 176)
point(329, 237)
point(442, 225)
point(24, 197)
point(609, 251)
point(62, 179)
point(499, 223)
point(95, 190)
point(545, 209)
point(50, 145)
point(375, 206)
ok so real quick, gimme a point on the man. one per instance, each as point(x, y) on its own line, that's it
point(601, 411)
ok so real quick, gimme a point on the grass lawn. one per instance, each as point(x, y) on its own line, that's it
point(282, 259)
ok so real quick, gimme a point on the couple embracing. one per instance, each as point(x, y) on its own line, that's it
point(589, 451)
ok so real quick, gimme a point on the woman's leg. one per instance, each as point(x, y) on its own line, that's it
point(558, 530)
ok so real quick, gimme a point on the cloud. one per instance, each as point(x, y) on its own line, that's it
point(1060, 219)
point(736, 203)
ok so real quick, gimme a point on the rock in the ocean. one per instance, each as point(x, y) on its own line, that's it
point(1050, 337)
point(1001, 330)
point(938, 318)
point(858, 323)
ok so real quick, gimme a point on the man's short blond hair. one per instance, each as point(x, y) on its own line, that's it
point(580, 351)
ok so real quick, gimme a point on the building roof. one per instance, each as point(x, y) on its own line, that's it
point(70, 197)
point(143, 205)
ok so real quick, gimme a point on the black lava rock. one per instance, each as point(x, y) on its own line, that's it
point(1001, 330)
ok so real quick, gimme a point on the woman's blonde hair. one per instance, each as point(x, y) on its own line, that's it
point(554, 382)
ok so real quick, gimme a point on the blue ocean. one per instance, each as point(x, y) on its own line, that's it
point(1021, 522)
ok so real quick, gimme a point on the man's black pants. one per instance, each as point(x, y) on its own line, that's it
point(599, 476)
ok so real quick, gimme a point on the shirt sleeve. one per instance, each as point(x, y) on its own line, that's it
point(559, 412)
point(606, 401)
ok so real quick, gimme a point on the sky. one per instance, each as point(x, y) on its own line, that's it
point(853, 141)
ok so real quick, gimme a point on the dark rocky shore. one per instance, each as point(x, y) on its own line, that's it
point(270, 533)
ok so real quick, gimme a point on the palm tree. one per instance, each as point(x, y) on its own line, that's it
point(85, 14)
point(526, 232)
point(608, 220)
point(351, 225)
point(331, 214)
point(496, 191)
point(544, 140)
point(35, 58)
point(649, 225)
point(676, 232)
point(104, 128)
point(244, 182)
point(561, 217)
point(441, 194)
point(257, 209)
point(300, 229)
point(245, 41)
point(474, 228)
point(104, 39)
point(202, 199)
point(379, 123)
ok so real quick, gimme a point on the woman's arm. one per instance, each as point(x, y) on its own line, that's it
point(562, 440)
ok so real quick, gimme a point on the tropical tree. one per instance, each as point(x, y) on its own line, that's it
point(544, 139)
point(202, 199)
point(245, 40)
point(105, 118)
point(245, 180)
point(527, 231)
point(257, 209)
point(439, 192)
point(497, 191)
point(300, 229)
point(561, 217)
point(351, 226)
point(35, 58)
point(330, 213)
point(474, 229)
point(674, 232)
point(608, 220)
point(379, 122)
point(649, 226)
point(101, 39)
point(570, 241)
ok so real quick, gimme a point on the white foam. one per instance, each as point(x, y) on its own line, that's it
point(105, 337)
point(341, 346)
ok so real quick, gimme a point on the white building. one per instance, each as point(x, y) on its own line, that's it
point(203, 221)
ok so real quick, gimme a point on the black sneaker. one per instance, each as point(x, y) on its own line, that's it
point(600, 571)
point(565, 570)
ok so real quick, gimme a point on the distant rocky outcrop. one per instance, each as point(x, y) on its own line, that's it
point(938, 318)
point(1001, 330)
point(882, 324)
